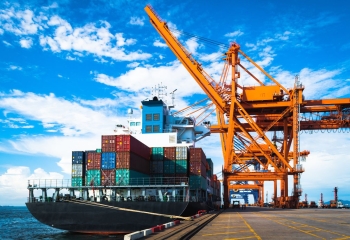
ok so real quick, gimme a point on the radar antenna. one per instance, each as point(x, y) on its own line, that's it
point(172, 99)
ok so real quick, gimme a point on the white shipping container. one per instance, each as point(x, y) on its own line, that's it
point(77, 170)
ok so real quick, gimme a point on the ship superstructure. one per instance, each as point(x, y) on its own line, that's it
point(159, 128)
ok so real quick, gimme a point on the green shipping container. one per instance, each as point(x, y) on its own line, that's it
point(198, 182)
point(169, 166)
point(125, 176)
point(211, 167)
point(77, 182)
point(93, 177)
point(181, 166)
point(157, 153)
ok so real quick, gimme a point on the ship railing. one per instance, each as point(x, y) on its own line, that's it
point(152, 181)
point(118, 198)
point(149, 181)
point(49, 183)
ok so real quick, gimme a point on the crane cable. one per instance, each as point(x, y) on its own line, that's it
point(203, 39)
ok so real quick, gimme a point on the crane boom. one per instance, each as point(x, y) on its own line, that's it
point(193, 67)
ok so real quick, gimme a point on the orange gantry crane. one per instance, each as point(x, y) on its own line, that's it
point(246, 114)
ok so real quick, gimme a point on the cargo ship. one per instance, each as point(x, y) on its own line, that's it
point(147, 173)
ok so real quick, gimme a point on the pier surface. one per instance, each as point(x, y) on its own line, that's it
point(269, 223)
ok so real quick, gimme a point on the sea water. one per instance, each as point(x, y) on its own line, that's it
point(18, 223)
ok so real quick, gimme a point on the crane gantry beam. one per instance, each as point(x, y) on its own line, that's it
point(245, 115)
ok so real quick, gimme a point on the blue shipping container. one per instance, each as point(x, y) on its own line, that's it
point(78, 157)
point(108, 160)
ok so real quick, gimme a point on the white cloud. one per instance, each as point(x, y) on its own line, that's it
point(137, 21)
point(89, 39)
point(234, 34)
point(80, 126)
point(173, 29)
point(320, 83)
point(68, 117)
point(191, 46)
point(158, 43)
point(59, 147)
point(52, 6)
point(28, 24)
point(7, 43)
point(14, 182)
point(141, 78)
point(100, 102)
point(133, 65)
point(284, 36)
point(60, 35)
point(211, 57)
point(71, 58)
point(15, 123)
point(26, 42)
point(324, 160)
point(13, 67)
point(121, 41)
point(1, 31)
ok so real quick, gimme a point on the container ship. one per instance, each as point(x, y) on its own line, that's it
point(145, 174)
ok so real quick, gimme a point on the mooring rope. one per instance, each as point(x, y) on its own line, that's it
point(127, 209)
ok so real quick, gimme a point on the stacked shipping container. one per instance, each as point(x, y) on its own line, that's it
point(169, 162)
point(123, 158)
point(197, 169)
point(181, 162)
point(120, 158)
point(78, 168)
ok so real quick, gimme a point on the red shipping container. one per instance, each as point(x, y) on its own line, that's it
point(108, 177)
point(127, 143)
point(108, 143)
point(170, 153)
point(198, 168)
point(197, 155)
point(132, 161)
point(93, 160)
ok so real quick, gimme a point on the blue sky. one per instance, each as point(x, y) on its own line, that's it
point(70, 69)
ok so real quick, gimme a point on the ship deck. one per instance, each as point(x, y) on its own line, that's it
point(269, 223)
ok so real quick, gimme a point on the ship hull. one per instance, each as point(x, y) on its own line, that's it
point(106, 218)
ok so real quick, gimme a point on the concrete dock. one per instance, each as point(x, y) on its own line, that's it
point(269, 223)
